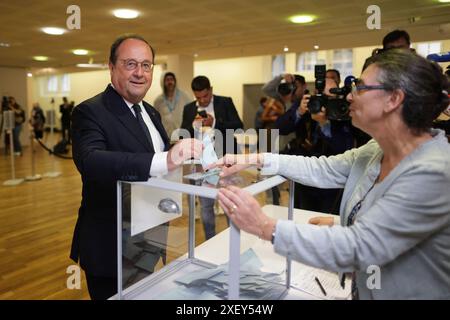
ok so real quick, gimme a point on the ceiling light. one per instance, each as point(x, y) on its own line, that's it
point(29, 74)
point(40, 58)
point(5, 45)
point(195, 55)
point(80, 52)
point(125, 13)
point(45, 71)
point(92, 65)
point(316, 47)
point(53, 31)
point(444, 1)
point(301, 19)
point(285, 49)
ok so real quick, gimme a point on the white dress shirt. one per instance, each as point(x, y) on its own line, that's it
point(209, 109)
point(158, 166)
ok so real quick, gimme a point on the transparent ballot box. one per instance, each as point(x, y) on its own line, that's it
point(159, 256)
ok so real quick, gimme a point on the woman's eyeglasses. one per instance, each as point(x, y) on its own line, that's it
point(358, 85)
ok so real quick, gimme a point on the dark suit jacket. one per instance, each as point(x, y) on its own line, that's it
point(65, 114)
point(108, 145)
point(226, 117)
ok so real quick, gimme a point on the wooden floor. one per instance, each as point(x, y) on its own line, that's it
point(36, 225)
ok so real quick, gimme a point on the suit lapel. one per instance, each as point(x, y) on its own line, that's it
point(218, 110)
point(115, 103)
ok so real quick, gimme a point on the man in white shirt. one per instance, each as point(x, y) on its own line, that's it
point(117, 136)
point(211, 112)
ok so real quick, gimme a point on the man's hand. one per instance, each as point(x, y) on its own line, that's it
point(183, 150)
point(320, 117)
point(303, 107)
point(208, 121)
point(288, 77)
point(199, 121)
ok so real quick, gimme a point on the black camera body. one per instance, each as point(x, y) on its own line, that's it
point(285, 88)
point(337, 108)
point(317, 101)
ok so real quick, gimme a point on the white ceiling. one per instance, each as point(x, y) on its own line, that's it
point(211, 28)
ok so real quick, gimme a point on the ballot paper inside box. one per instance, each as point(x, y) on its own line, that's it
point(157, 240)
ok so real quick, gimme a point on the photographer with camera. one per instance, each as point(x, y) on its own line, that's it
point(324, 129)
point(329, 109)
point(334, 74)
point(286, 88)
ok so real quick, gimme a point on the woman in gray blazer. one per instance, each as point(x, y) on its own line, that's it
point(395, 211)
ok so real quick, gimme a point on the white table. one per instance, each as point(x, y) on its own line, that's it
point(215, 250)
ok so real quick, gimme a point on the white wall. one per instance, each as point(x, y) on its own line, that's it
point(359, 58)
point(227, 76)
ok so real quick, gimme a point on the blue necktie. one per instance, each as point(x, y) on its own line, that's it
point(138, 111)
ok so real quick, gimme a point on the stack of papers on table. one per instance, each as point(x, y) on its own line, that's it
point(213, 283)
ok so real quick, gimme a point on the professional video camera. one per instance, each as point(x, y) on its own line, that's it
point(337, 108)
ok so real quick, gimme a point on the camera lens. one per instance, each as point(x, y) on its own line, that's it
point(285, 88)
point(316, 103)
point(337, 109)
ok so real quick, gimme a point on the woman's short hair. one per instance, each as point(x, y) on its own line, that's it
point(422, 81)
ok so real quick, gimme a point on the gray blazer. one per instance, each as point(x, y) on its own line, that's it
point(403, 226)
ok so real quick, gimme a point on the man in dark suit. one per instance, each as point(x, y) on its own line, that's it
point(66, 109)
point(117, 136)
point(217, 113)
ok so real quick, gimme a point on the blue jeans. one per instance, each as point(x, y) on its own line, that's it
point(208, 217)
point(16, 138)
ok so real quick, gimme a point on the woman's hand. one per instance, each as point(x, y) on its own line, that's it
point(245, 212)
point(322, 221)
point(232, 163)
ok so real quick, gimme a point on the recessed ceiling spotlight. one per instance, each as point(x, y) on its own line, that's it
point(40, 58)
point(80, 52)
point(53, 31)
point(195, 55)
point(29, 74)
point(301, 19)
point(285, 49)
point(126, 13)
point(316, 47)
point(5, 45)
